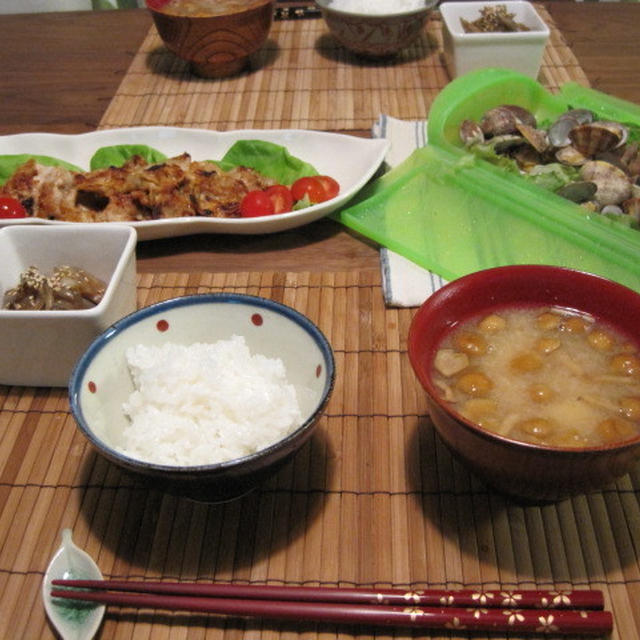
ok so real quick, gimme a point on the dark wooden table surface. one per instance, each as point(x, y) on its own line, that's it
point(62, 69)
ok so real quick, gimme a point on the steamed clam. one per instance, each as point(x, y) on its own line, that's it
point(560, 129)
point(612, 184)
point(629, 158)
point(570, 156)
point(505, 119)
point(632, 207)
point(581, 158)
point(578, 191)
point(471, 133)
point(595, 137)
point(537, 138)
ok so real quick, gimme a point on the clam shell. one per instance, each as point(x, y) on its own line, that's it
point(612, 209)
point(498, 121)
point(613, 184)
point(612, 157)
point(590, 139)
point(630, 158)
point(632, 207)
point(559, 131)
point(471, 133)
point(581, 116)
point(579, 191)
point(527, 158)
point(522, 115)
point(616, 127)
point(569, 155)
point(504, 119)
point(537, 138)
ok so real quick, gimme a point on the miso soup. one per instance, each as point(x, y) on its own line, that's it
point(542, 375)
point(203, 8)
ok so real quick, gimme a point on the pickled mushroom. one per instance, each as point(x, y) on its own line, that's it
point(68, 288)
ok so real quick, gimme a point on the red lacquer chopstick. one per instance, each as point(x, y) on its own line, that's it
point(559, 622)
point(488, 599)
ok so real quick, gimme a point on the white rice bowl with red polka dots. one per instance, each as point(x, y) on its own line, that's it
point(207, 394)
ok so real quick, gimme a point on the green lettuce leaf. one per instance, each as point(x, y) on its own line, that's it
point(10, 163)
point(552, 176)
point(267, 158)
point(117, 155)
point(488, 153)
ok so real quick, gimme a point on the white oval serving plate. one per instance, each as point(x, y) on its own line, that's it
point(351, 160)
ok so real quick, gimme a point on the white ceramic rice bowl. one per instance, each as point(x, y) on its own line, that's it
point(101, 382)
point(376, 33)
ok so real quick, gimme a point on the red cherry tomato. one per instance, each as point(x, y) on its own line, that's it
point(255, 204)
point(309, 187)
point(281, 198)
point(11, 208)
point(330, 186)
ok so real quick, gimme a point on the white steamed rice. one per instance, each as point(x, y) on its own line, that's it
point(205, 403)
point(376, 7)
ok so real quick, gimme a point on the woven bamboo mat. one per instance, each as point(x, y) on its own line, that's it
point(373, 499)
point(301, 79)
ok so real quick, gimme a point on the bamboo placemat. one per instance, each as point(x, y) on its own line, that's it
point(373, 499)
point(302, 79)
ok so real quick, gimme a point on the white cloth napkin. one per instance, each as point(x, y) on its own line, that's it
point(404, 283)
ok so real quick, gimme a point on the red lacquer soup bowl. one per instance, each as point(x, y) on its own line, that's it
point(534, 472)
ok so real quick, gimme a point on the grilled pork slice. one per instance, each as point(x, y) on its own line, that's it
point(136, 191)
point(42, 190)
point(217, 193)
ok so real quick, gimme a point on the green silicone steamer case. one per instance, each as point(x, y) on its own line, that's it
point(454, 214)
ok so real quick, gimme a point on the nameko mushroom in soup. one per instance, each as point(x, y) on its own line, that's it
point(202, 8)
point(542, 375)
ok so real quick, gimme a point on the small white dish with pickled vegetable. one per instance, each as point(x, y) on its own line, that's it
point(61, 287)
point(478, 35)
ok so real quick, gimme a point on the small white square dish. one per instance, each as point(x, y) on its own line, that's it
point(518, 50)
point(40, 348)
